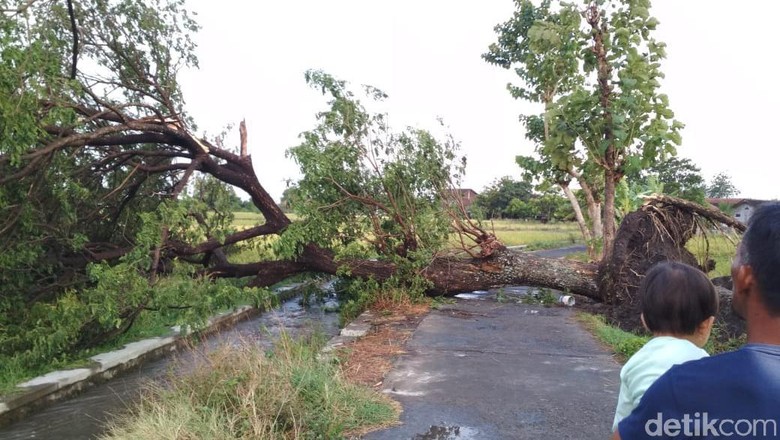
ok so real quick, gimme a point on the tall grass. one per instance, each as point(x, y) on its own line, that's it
point(717, 246)
point(246, 393)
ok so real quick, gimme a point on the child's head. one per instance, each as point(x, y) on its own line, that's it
point(678, 300)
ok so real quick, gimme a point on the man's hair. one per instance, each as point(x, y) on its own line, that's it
point(760, 249)
point(676, 298)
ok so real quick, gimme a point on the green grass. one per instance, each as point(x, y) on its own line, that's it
point(242, 220)
point(534, 235)
point(624, 344)
point(245, 393)
point(720, 247)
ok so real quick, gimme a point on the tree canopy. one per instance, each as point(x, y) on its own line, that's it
point(721, 186)
point(596, 68)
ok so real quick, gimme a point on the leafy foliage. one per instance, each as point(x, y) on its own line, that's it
point(368, 191)
point(680, 178)
point(94, 141)
point(598, 79)
point(495, 199)
point(721, 187)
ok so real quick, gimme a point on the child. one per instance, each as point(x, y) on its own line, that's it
point(679, 304)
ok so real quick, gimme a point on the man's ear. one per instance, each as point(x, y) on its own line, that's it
point(744, 280)
point(744, 286)
point(642, 318)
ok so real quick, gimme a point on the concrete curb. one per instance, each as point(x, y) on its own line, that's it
point(356, 329)
point(44, 390)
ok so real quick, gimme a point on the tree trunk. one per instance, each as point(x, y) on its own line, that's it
point(594, 209)
point(609, 214)
point(506, 268)
point(575, 204)
point(447, 275)
point(610, 160)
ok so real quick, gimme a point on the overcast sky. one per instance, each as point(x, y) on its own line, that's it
point(722, 58)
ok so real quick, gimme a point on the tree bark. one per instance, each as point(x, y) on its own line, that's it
point(447, 275)
point(610, 159)
point(575, 204)
point(609, 214)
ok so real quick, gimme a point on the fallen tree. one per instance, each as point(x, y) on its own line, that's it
point(96, 164)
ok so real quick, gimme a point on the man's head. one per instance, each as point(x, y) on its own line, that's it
point(678, 299)
point(756, 268)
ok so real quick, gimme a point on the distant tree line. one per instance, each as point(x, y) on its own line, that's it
point(509, 198)
point(675, 176)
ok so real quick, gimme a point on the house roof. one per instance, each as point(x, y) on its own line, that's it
point(464, 190)
point(735, 201)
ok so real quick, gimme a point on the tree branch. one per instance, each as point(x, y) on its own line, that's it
point(75, 32)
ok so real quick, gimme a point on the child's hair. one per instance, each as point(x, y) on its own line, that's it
point(676, 298)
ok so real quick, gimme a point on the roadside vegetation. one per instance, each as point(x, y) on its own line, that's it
point(246, 393)
point(624, 344)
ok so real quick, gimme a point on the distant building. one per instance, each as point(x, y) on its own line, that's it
point(466, 196)
point(742, 208)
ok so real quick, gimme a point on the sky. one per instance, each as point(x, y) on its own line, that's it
point(425, 54)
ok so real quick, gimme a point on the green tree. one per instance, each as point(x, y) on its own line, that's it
point(542, 46)
point(494, 199)
point(362, 181)
point(521, 209)
point(289, 198)
point(614, 120)
point(721, 187)
point(680, 177)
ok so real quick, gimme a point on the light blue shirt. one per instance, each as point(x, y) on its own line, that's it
point(647, 365)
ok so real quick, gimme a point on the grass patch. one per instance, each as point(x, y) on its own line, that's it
point(720, 247)
point(624, 344)
point(246, 393)
point(579, 256)
point(534, 235)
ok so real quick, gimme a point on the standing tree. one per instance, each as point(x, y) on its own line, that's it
point(721, 187)
point(543, 46)
point(610, 117)
point(496, 197)
point(680, 178)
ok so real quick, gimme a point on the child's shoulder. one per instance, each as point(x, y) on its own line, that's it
point(666, 349)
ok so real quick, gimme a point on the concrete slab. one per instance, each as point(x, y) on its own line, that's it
point(130, 352)
point(488, 370)
point(60, 379)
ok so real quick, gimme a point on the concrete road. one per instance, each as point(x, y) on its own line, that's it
point(483, 369)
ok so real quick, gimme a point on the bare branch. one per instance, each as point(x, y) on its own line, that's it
point(75, 32)
point(242, 131)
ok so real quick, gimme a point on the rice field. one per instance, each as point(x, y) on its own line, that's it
point(535, 235)
point(718, 246)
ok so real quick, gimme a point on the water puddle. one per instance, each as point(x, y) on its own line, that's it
point(448, 433)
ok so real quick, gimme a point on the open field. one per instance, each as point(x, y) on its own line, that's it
point(535, 235)
point(718, 246)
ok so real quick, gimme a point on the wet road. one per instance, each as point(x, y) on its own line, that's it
point(484, 369)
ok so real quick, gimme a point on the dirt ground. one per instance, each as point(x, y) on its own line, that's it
point(368, 359)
